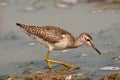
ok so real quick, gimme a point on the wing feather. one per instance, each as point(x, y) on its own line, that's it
point(48, 33)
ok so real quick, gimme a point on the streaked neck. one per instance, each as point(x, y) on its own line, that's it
point(79, 41)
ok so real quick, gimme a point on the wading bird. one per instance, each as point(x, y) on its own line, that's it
point(56, 38)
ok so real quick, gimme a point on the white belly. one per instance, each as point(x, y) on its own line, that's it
point(45, 43)
point(62, 44)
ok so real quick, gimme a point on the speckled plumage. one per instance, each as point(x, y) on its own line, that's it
point(49, 34)
point(57, 39)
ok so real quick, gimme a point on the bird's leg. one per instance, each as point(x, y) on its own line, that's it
point(47, 60)
point(58, 62)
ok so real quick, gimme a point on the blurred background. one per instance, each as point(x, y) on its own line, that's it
point(100, 18)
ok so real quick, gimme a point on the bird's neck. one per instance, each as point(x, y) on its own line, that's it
point(78, 41)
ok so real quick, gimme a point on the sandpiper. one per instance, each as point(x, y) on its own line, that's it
point(56, 38)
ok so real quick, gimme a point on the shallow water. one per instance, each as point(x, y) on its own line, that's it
point(16, 53)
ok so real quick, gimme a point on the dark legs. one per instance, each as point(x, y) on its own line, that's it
point(57, 62)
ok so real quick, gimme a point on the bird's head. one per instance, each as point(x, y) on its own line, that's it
point(87, 39)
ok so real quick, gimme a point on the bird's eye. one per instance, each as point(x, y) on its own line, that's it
point(87, 39)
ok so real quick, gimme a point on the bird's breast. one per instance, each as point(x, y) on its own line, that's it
point(64, 43)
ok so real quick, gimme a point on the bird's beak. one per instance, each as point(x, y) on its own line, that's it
point(97, 50)
point(92, 45)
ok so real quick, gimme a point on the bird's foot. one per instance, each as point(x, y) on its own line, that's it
point(49, 65)
point(70, 66)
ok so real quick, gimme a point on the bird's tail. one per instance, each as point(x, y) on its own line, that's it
point(18, 24)
point(22, 25)
point(27, 28)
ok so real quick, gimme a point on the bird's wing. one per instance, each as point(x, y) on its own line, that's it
point(48, 33)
